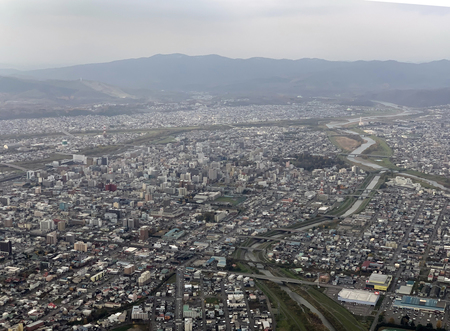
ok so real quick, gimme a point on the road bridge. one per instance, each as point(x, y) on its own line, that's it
point(284, 280)
point(368, 155)
point(68, 134)
point(260, 237)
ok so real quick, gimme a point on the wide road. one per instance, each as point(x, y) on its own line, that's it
point(179, 299)
point(279, 279)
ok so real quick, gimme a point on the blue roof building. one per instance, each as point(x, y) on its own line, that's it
point(417, 303)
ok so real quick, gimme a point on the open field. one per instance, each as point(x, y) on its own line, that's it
point(347, 143)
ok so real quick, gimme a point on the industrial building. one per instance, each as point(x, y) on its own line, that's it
point(221, 261)
point(419, 303)
point(174, 234)
point(379, 282)
point(358, 296)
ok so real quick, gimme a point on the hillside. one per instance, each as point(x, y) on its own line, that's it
point(218, 74)
point(73, 92)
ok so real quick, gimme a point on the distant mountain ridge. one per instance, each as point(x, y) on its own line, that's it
point(219, 74)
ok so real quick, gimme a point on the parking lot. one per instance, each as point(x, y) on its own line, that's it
point(361, 310)
point(419, 317)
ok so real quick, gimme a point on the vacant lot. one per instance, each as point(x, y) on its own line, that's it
point(347, 143)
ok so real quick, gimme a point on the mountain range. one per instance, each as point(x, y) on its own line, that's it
point(409, 84)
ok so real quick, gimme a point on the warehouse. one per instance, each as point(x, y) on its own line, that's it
point(358, 296)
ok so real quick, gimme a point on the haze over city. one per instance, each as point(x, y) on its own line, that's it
point(224, 165)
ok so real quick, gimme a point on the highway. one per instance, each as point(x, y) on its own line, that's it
point(179, 299)
point(279, 279)
point(68, 134)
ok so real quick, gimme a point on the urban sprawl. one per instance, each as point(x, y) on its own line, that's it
point(257, 217)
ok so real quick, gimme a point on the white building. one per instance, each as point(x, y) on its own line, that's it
point(358, 296)
point(188, 324)
point(144, 278)
point(47, 225)
point(138, 314)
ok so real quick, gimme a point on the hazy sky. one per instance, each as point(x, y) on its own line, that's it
point(45, 33)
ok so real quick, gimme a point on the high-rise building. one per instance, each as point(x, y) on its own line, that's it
point(47, 225)
point(143, 233)
point(52, 238)
point(182, 191)
point(61, 225)
point(5, 200)
point(129, 270)
point(80, 246)
point(8, 223)
point(212, 174)
point(70, 237)
point(130, 223)
point(188, 324)
point(144, 278)
point(6, 246)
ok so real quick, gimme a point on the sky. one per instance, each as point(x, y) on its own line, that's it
point(54, 33)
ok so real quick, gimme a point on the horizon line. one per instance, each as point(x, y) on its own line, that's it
point(6, 66)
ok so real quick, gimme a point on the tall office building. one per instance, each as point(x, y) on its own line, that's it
point(143, 233)
point(70, 237)
point(62, 225)
point(188, 324)
point(8, 223)
point(6, 246)
point(130, 223)
point(47, 225)
point(52, 238)
point(212, 174)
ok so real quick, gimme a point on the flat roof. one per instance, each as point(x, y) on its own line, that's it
point(420, 303)
point(404, 290)
point(358, 296)
point(379, 278)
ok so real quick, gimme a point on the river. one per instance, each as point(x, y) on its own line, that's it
point(369, 142)
point(294, 296)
